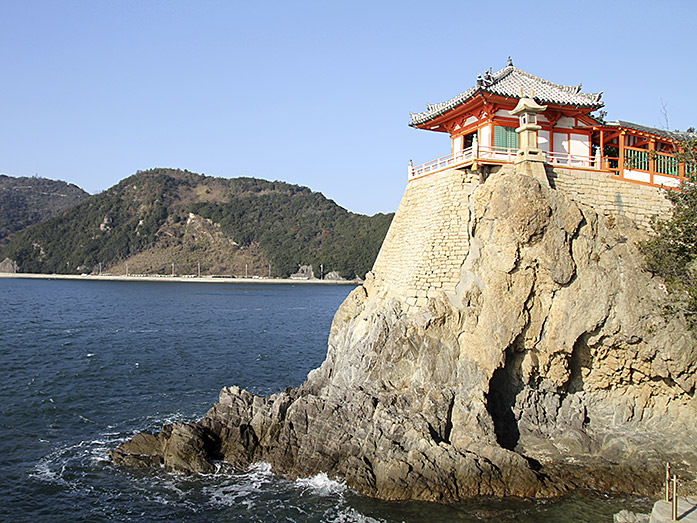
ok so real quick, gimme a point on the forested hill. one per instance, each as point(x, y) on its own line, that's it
point(26, 201)
point(161, 217)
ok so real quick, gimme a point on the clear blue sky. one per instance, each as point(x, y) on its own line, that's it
point(313, 93)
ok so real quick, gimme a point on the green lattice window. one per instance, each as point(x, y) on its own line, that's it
point(505, 137)
point(666, 164)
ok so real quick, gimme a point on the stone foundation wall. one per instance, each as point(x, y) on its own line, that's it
point(429, 237)
point(607, 194)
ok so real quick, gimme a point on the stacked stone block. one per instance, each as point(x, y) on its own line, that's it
point(429, 238)
point(610, 195)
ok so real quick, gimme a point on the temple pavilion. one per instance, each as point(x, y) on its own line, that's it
point(483, 131)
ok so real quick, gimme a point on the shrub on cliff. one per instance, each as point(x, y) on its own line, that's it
point(671, 252)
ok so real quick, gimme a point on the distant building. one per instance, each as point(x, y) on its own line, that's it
point(8, 265)
point(305, 272)
point(483, 131)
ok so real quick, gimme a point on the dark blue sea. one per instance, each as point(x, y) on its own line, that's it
point(85, 365)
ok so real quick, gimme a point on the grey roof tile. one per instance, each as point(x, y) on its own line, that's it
point(671, 135)
point(507, 82)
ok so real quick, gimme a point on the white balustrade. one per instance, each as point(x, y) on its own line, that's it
point(498, 155)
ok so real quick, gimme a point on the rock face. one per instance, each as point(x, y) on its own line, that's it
point(547, 366)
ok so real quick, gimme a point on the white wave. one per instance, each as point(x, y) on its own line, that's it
point(43, 471)
point(51, 468)
point(242, 489)
point(321, 484)
point(260, 468)
point(257, 476)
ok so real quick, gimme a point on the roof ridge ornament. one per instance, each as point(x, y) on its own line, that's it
point(506, 83)
point(510, 62)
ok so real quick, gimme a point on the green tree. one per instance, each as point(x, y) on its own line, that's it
point(671, 252)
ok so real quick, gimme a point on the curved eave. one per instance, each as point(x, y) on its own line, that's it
point(489, 95)
point(419, 119)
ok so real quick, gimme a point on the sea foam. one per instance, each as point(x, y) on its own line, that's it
point(320, 484)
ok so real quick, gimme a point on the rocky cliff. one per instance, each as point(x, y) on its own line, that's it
point(535, 361)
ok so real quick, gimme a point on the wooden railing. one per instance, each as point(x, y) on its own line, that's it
point(652, 168)
point(570, 160)
point(463, 158)
point(634, 164)
point(636, 159)
point(667, 164)
point(497, 155)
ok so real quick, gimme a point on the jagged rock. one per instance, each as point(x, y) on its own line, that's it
point(179, 447)
point(625, 516)
point(549, 367)
point(187, 447)
point(143, 450)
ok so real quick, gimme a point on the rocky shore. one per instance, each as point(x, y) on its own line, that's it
point(549, 367)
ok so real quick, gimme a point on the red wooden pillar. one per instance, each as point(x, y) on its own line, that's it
point(620, 160)
point(652, 159)
point(551, 138)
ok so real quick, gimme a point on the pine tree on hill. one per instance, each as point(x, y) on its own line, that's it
point(163, 216)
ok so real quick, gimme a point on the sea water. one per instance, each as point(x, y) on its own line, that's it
point(86, 365)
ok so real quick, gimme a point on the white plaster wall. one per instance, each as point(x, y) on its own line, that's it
point(579, 145)
point(485, 136)
point(565, 121)
point(668, 181)
point(543, 140)
point(561, 143)
point(637, 175)
point(457, 143)
point(470, 120)
point(541, 118)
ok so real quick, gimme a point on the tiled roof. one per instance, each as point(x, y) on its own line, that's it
point(671, 135)
point(507, 82)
